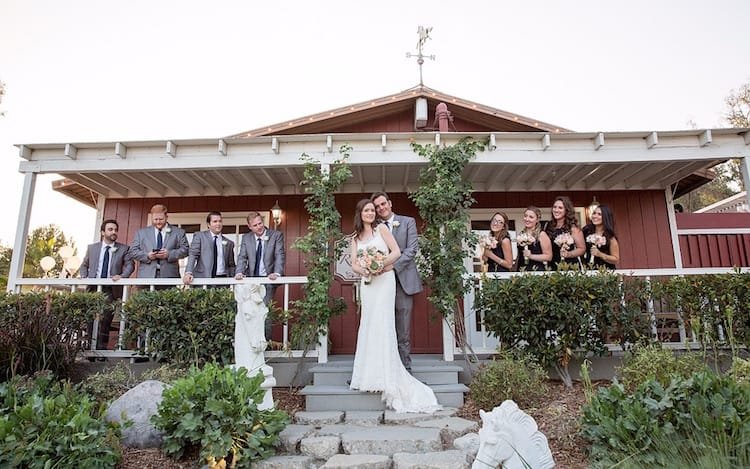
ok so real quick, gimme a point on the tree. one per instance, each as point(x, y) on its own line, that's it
point(44, 241)
point(728, 180)
point(5, 256)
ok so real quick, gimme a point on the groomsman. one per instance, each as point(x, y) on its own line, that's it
point(107, 259)
point(159, 247)
point(211, 254)
point(261, 255)
point(408, 283)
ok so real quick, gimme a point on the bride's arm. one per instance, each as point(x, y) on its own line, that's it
point(355, 265)
point(390, 241)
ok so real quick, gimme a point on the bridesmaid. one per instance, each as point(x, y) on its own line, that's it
point(564, 224)
point(499, 258)
point(537, 248)
point(602, 248)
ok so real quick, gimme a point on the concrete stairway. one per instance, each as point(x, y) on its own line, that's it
point(330, 390)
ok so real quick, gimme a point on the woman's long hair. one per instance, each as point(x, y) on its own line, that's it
point(569, 219)
point(538, 227)
point(359, 225)
point(502, 233)
point(608, 223)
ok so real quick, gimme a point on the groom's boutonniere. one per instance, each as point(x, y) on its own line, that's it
point(113, 249)
point(264, 237)
point(168, 229)
point(223, 242)
point(396, 223)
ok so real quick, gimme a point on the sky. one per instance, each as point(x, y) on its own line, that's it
point(100, 70)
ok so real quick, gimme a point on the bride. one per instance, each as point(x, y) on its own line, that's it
point(377, 366)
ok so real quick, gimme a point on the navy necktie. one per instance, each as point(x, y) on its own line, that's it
point(258, 258)
point(159, 241)
point(105, 263)
point(216, 257)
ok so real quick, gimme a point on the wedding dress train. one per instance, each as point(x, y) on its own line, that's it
point(377, 366)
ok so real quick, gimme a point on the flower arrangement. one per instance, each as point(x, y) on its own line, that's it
point(525, 239)
point(371, 260)
point(565, 241)
point(596, 240)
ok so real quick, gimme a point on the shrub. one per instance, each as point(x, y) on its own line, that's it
point(111, 383)
point(165, 373)
point(552, 316)
point(740, 370)
point(184, 327)
point(215, 409)
point(521, 379)
point(44, 331)
point(693, 412)
point(49, 424)
point(654, 362)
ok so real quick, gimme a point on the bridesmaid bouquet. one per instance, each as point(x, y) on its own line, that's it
point(524, 239)
point(486, 242)
point(371, 260)
point(595, 240)
point(565, 241)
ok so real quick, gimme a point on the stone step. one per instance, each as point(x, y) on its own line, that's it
point(429, 372)
point(320, 397)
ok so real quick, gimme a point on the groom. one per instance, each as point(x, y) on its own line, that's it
point(408, 283)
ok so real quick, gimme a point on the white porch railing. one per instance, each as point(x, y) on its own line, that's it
point(73, 284)
point(482, 342)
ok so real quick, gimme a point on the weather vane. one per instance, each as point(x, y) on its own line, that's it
point(424, 35)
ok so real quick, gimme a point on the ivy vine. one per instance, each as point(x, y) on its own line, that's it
point(443, 200)
point(316, 308)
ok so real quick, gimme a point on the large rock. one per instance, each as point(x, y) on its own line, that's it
point(138, 405)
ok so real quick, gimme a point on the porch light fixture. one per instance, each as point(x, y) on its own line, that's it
point(276, 214)
point(592, 206)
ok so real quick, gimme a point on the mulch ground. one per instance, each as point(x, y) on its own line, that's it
point(557, 417)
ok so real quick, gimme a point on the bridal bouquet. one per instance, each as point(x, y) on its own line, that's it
point(565, 241)
point(595, 240)
point(485, 242)
point(371, 260)
point(525, 239)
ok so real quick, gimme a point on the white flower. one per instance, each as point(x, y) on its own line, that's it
point(223, 242)
point(168, 229)
point(264, 238)
point(396, 223)
point(113, 249)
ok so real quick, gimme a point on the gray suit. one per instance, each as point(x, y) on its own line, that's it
point(120, 264)
point(408, 282)
point(200, 255)
point(174, 242)
point(273, 260)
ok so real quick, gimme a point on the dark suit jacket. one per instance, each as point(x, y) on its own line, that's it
point(174, 242)
point(405, 267)
point(274, 254)
point(200, 255)
point(120, 263)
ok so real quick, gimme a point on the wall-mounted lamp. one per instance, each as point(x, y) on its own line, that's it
point(276, 214)
point(592, 206)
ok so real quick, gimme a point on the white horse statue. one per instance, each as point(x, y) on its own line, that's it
point(509, 438)
point(249, 336)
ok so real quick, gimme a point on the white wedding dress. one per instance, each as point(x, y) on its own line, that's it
point(377, 366)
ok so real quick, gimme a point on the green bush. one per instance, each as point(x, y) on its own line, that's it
point(740, 370)
point(521, 379)
point(184, 327)
point(44, 331)
point(690, 413)
point(47, 424)
point(215, 409)
point(654, 362)
point(552, 316)
point(111, 383)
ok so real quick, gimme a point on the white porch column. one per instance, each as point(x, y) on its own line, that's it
point(673, 229)
point(745, 167)
point(22, 230)
point(100, 200)
point(448, 341)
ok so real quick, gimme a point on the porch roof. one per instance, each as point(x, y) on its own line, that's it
point(512, 161)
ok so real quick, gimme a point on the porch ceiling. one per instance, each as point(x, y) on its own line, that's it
point(271, 165)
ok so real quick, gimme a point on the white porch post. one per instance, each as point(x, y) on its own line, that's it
point(100, 200)
point(673, 229)
point(22, 230)
point(448, 341)
point(745, 167)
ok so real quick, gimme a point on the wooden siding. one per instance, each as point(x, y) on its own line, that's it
point(714, 250)
point(641, 217)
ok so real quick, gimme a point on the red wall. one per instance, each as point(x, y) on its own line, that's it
point(641, 218)
point(714, 250)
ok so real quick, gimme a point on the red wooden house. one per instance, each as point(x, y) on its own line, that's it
point(527, 162)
